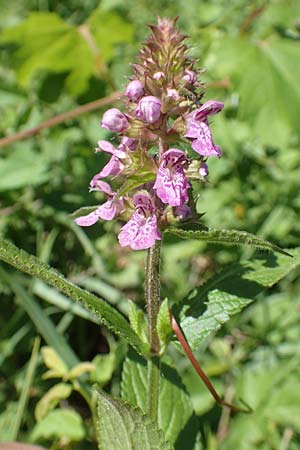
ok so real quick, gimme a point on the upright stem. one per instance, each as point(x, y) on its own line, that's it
point(152, 289)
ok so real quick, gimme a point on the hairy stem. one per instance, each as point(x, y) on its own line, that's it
point(152, 289)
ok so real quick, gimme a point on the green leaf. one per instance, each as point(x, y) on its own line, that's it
point(229, 292)
point(175, 408)
point(80, 369)
point(138, 321)
point(22, 168)
point(123, 427)
point(227, 237)
point(104, 368)
point(109, 29)
point(164, 328)
point(108, 315)
point(52, 360)
point(50, 400)
point(60, 423)
point(269, 89)
point(47, 42)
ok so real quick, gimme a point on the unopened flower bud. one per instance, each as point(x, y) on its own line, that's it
point(173, 94)
point(190, 77)
point(149, 109)
point(203, 171)
point(134, 90)
point(183, 212)
point(158, 75)
point(114, 120)
point(128, 143)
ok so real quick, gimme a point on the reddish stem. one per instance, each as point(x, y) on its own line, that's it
point(204, 378)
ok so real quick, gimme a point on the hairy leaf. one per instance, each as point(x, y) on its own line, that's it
point(175, 407)
point(229, 292)
point(230, 237)
point(121, 426)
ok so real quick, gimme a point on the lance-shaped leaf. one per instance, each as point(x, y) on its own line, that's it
point(229, 292)
point(33, 266)
point(229, 237)
point(121, 426)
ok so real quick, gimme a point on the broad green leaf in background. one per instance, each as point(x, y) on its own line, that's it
point(22, 168)
point(59, 423)
point(47, 43)
point(34, 267)
point(175, 407)
point(229, 292)
point(109, 29)
point(51, 399)
point(266, 75)
point(121, 426)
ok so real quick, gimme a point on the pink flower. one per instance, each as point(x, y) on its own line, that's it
point(183, 212)
point(114, 121)
point(115, 164)
point(173, 94)
point(108, 211)
point(190, 77)
point(141, 231)
point(198, 129)
point(148, 109)
point(204, 144)
point(128, 144)
point(158, 75)
point(134, 90)
point(171, 184)
point(203, 170)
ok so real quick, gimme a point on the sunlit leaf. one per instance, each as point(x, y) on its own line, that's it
point(121, 426)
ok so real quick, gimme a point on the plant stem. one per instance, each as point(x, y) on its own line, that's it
point(152, 289)
point(96, 104)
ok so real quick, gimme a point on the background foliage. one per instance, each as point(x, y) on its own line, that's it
point(56, 55)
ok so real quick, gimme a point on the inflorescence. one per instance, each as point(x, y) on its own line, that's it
point(164, 119)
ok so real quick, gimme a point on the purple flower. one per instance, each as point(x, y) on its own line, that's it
point(198, 129)
point(128, 144)
point(114, 121)
point(190, 77)
point(183, 212)
point(203, 170)
point(158, 75)
point(171, 184)
point(134, 90)
point(115, 164)
point(141, 231)
point(207, 109)
point(148, 109)
point(204, 144)
point(108, 211)
point(173, 94)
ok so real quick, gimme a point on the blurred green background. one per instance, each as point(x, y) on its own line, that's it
point(56, 55)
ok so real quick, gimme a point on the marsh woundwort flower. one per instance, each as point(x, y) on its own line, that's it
point(151, 166)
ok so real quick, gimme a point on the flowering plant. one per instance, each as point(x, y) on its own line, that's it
point(163, 107)
point(164, 145)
